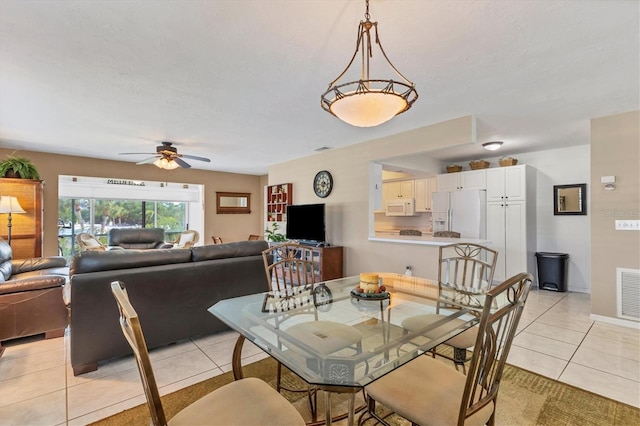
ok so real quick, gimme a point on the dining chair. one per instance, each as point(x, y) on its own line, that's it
point(446, 234)
point(426, 391)
point(248, 401)
point(216, 239)
point(413, 232)
point(89, 242)
point(253, 237)
point(187, 239)
point(292, 270)
point(465, 272)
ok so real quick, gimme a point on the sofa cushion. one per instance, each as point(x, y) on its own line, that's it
point(136, 238)
point(5, 260)
point(93, 261)
point(223, 251)
point(38, 282)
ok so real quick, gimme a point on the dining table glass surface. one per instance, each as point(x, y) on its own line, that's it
point(298, 328)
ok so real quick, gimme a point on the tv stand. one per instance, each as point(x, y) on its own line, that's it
point(330, 261)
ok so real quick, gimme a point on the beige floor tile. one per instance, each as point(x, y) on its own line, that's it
point(105, 369)
point(32, 385)
point(556, 333)
point(612, 346)
point(32, 345)
point(212, 339)
point(96, 394)
point(48, 409)
point(560, 319)
point(616, 333)
point(221, 353)
point(192, 380)
point(605, 384)
point(107, 411)
point(612, 364)
point(537, 362)
point(12, 367)
point(181, 366)
point(545, 345)
point(247, 360)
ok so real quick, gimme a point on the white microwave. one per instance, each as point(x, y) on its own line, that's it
point(400, 207)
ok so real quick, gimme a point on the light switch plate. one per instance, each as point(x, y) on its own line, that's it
point(627, 225)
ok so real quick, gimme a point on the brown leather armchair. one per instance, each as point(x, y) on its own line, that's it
point(31, 300)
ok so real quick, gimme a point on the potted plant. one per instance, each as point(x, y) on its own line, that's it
point(18, 167)
point(272, 235)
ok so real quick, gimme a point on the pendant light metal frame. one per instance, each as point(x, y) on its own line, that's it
point(407, 91)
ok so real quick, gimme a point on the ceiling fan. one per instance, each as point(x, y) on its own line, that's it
point(167, 157)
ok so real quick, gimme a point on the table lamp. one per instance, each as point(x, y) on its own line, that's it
point(10, 205)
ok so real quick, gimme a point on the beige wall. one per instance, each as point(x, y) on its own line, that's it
point(615, 151)
point(232, 227)
point(348, 204)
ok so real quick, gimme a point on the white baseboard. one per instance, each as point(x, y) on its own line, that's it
point(616, 321)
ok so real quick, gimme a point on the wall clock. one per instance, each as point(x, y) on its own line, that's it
point(323, 184)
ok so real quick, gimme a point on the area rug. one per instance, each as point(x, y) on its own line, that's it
point(525, 398)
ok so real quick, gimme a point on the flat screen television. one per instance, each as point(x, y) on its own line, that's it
point(306, 223)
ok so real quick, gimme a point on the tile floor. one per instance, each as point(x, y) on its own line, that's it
point(556, 338)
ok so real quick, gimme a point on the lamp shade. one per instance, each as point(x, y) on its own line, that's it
point(9, 204)
point(163, 163)
point(492, 146)
point(368, 109)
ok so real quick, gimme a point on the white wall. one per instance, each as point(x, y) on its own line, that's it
point(564, 234)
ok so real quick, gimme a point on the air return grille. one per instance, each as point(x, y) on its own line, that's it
point(628, 291)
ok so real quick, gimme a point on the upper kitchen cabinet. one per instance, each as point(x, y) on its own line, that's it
point(462, 181)
point(507, 183)
point(398, 189)
point(424, 188)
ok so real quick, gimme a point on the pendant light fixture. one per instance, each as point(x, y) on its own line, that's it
point(368, 102)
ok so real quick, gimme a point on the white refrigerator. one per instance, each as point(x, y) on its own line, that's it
point(461, 211)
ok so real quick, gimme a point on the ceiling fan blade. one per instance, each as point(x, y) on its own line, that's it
point(136, 153)
point(182, 163)
point(149, 160)
point(193, 157)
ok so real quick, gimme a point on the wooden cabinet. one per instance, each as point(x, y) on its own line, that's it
point(462, 181)
point(423, 189)
point(278, 197)
point(507, 183)
point(26, 228)
point(398, 189)
point(330, 262)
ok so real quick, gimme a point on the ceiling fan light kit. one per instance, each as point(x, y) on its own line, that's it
point(167, 157)
point(493, 145)
point(368, 102)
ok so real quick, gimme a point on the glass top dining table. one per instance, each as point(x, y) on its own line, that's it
point(310, 330)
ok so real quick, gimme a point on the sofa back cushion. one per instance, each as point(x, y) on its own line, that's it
point(93, 261)
point(224, 251)
point(136, 238)
point(5, 261)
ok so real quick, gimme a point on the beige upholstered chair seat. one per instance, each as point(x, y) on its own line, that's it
point(236, 405)
point(464, 340)
point(325, 336)
point(427, 391)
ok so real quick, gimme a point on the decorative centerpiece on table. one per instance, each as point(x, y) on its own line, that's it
point(370, 287)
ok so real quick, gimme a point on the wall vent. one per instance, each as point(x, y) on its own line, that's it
point(628, 293)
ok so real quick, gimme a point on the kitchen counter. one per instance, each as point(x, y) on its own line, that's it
point(429, 240)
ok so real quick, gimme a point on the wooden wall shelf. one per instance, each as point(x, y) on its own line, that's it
point(278, 198)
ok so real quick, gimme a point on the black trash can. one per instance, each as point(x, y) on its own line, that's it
point(553, 269)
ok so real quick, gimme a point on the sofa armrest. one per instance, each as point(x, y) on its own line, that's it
point(37, 263)
point(32, 283)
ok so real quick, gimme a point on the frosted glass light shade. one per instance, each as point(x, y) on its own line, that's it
point(163, 163)
point(367, 109)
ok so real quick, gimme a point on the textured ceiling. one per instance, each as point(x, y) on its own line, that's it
point(240, 81)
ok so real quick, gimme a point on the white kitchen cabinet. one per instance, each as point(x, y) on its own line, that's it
point(511, 220)
point(424, 188)
point(462, 181)
point(398, 189)
point(507, 183)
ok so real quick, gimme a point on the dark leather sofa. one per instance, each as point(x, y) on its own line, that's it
point(170, 289)
point(137, 238)
point(31, 300)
